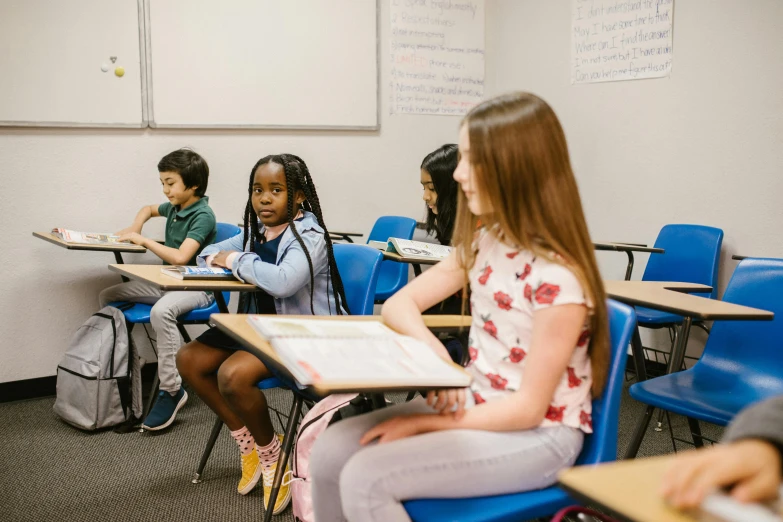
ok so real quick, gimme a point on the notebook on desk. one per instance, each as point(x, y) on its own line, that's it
point(340, 353)
point(412, 249)
point(87, 238)
point(196, 273)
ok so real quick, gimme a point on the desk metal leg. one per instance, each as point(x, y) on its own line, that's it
point(638, 434)
point(285, 452)
point(629, 268)
point(118, 259)
point(416, 269)
point(678, 353)
point(638, 356)
point(221, 303)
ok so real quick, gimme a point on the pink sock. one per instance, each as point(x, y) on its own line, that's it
point(244, 440)
point(269, 454)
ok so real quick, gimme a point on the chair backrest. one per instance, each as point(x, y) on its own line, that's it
point(601, 445)
point(692, 256)
point(226, 231)
point(393, 275)
point(359, 267)
point(746, 356)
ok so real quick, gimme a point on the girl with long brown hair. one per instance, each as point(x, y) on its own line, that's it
point(539, 340)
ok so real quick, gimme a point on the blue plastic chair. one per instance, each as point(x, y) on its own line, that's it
point(359, 267)
point(742, 361)
point(393, 275)
point(692, 256)
point(139, 313)
point(599, 447)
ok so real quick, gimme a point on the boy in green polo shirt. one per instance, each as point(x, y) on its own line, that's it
point(190, 226)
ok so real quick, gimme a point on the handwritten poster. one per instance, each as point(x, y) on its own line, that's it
point(437, 56)
point(615, 40)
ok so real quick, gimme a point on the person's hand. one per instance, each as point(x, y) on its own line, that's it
point(221, 258)
point(394, 429)
point(750, 468)
point(124, 231)
point(134, 237)
point(443, 401)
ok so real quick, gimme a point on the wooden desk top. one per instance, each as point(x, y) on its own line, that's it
point(628, 490)
point(127, 247)
point(626, 247)
point(347, 234)
point(671, 297)
point(392, 256)
point(152, 274)
point(237, 327)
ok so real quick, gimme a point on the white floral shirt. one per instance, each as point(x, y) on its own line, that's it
point(507, 286)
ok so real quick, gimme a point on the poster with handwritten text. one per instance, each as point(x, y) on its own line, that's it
point(615, 40)
point(437, 56)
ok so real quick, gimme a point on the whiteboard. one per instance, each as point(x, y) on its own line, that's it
point(263, 63)
point(50, 64)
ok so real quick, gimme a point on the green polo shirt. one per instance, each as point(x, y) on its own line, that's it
point(196, 222)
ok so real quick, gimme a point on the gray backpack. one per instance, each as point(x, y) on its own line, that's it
point(99, 378)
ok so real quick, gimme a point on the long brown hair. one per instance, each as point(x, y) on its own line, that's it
point(522, 172)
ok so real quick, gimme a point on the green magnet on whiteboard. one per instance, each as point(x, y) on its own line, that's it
point(119, 72)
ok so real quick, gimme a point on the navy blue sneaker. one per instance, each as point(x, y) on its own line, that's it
point(164, 410)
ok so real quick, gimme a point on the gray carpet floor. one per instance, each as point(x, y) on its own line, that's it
point(51, 471)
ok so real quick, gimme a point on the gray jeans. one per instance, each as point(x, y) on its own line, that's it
point(366, 484)
point(167, 307)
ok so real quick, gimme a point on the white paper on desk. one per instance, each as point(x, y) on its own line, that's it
point(393, 361)
point(726, 509)
point(273, 327)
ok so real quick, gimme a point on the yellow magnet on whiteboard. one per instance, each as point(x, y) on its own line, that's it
point(119, 72)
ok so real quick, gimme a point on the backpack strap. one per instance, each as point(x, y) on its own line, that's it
point(114, 342)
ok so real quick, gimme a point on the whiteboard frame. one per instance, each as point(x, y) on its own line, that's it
point(150, 115)
point(142, 74)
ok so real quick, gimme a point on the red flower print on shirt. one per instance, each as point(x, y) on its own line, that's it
point(529, 292)
point(526, 272)
point(573, 380)
point(485, 273)
point(512, 255)
point(473, 353)
point(546, 293)
point(478, 398)
point(503, 300)
point(583, 338)
point(497, 382)
point(517, 354)
point(555, 413)
point(490, 327)
point(586, 419)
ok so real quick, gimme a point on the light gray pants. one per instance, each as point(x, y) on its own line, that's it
point(167, 307)
point(367, 484)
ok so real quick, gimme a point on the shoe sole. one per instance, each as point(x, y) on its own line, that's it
point(166, 424)
point(252, 484)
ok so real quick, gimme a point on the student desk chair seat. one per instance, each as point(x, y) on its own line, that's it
point(139, 313)
point(742, 361)
point(600, 446)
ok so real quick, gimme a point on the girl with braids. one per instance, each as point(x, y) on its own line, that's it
point(539, 345)
point(285, 251)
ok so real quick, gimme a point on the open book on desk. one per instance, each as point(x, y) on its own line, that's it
point(196, 273)
point(412, 249)
point(87, 238)
point(348, 354)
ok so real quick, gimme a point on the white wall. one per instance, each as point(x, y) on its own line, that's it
point(703, 146)
point(98, 179)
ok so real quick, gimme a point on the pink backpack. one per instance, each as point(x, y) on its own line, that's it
point(313, 424)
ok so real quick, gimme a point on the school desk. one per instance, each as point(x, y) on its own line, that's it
point(344, 236)
point(153, 275)
point(117, 249)
point(629, 490)
point(629, 249)
point(416, 262)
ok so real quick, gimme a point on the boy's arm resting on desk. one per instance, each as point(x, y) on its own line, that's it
point(199, 230)
point(750, 464)
point(144, 215)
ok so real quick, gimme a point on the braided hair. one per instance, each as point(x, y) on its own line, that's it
point(297, 177)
